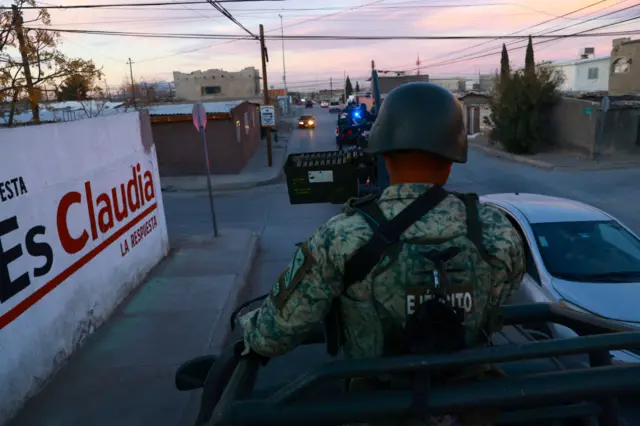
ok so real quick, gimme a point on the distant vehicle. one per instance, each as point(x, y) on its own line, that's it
point(334, 107)
point(324, 104)
point(308, 104)
point(306, 122)
point(577, 256)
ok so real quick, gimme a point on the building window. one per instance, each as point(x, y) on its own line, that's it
point(246, 123)
point(238, 131)
point(593, 74)
point(211, 90)
point(621, 65)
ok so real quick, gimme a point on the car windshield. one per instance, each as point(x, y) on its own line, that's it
point(306, 117)
point(334, 103)
point(595, 251)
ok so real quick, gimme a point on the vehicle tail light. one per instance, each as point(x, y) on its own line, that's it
point(337, 132)
point(342, 137)
point(349, 132)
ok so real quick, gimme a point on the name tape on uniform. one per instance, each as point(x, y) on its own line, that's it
point(458, 296)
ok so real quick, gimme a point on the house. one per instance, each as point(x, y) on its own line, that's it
point(625, 67)
point(232, 136)
point(454, 84)
point(585, 74)
point(387, 84)
point(334, 95)
point(476, 108)
point(217, 85)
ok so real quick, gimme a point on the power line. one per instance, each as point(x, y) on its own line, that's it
point(228, 15)
point(498, 49)
point(237, 37)
point(105, 5)
point(493, 48)
point(534, 44)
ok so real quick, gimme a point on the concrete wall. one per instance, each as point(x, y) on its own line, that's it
point(180, 150)
point(71, 250)
point(623, 83)
point(232, 85)
point(576, 125)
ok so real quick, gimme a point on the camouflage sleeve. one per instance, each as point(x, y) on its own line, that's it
point(298, 301)
point(506, 249)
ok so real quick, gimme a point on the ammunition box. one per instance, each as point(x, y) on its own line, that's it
point(327, 177)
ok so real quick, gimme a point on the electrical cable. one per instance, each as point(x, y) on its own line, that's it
point(109, 5)
point(334, 37)
point(511, 43)
point(228, 15)
point(498, 50)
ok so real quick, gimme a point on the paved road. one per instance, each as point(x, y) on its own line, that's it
point(267, 210)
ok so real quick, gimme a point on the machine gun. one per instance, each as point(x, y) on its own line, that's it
point(335, 176)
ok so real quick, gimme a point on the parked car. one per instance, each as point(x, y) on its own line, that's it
point(306, 122)
point(324, 104)
point(577, 256)
point(334, 107)
point(308, 104)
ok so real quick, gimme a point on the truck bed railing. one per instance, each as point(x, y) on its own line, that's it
point(588, 391)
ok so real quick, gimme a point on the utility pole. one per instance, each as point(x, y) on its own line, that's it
point(265, 89)
point(17, 19)
point(284, 68)
point(133, 87)
point(344, 90)
point(331, 88)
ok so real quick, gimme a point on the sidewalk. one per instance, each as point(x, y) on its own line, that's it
point(124, 374)
point(559, 160)
point(255, 173)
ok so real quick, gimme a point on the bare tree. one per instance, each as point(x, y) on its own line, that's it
point(30, 59)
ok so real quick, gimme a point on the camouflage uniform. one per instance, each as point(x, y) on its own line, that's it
point(483, 262)
point(304, 293)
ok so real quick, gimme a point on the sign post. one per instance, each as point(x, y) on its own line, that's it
point(200, 122)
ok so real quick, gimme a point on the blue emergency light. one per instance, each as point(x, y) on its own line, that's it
point(356, 114)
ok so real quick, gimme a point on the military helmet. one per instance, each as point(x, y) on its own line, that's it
point(423, 117)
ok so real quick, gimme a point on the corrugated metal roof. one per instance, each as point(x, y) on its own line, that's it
point(577, 61)
point(186, 109)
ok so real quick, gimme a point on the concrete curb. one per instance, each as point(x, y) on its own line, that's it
point(231, 186)
point(221, 330)
point(513, 157)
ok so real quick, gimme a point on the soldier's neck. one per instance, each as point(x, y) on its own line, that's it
point(409, 176)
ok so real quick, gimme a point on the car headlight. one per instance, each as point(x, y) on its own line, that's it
point(301, 122)
point(310, 121)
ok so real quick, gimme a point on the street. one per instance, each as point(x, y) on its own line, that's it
point(267, 210)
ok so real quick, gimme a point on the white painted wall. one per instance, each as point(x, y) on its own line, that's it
point(70, 293)
point(582, 82)
point(577, 74)
point(569, 76)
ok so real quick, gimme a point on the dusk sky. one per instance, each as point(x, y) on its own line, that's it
point(311, 63)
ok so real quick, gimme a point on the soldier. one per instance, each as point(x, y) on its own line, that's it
point(377, 262)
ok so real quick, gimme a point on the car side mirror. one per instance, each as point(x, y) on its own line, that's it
point(193, 373)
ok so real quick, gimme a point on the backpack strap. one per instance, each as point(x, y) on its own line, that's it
point(474, 225)
point(387, 232)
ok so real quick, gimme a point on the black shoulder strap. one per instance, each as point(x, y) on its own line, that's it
point(474, 225)
point(387, 232)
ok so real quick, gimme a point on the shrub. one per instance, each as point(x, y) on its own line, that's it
point(521, 107)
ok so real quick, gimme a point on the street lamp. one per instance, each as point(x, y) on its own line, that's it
point(284, 68)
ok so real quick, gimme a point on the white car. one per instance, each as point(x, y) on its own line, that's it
point(577, 256)
point(335, 107)
point(324, 104)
